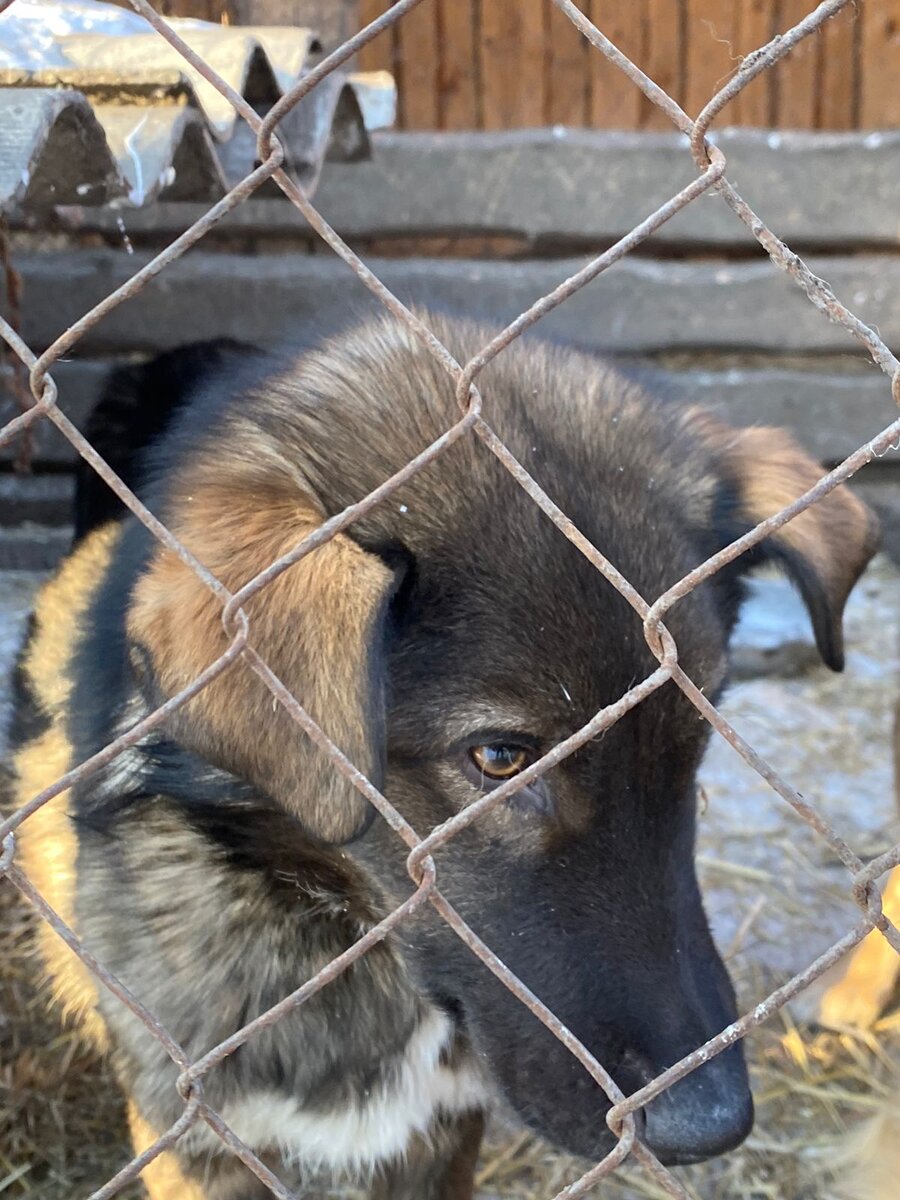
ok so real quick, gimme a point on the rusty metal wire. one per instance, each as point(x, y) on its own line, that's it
point(712, 176)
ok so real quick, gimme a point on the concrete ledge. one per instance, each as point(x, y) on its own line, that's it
point(576, 185)
point(46, 499)
point(79, 388)
point(32, 547)
point(637, 306)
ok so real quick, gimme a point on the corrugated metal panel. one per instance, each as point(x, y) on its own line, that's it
point(163, 152)
point(239, 56)
point(159, 130)
point(326, 123)
point(53, 151)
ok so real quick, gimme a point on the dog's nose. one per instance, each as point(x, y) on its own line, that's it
point(709, 1112)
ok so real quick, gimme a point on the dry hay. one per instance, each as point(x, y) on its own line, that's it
point(61, 1117)
point(62, 1130)
point(810, 1089)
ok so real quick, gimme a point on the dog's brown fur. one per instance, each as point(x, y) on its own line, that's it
point(47, 844)
point(237, 531)
point(774, 471)
point(222, 862)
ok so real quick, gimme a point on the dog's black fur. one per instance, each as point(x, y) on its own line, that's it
point(136, 406)
point(220, 863)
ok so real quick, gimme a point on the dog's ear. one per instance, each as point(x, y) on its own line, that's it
point(319, 626)
point(824, 549)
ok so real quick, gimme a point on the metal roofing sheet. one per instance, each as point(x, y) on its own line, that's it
point(53, 151)
point(168, 133)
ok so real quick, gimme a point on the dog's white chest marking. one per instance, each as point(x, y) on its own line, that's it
point(376, 1129)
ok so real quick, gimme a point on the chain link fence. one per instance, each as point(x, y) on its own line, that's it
point(711, 176)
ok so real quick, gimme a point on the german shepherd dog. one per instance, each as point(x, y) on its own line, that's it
point(444, 641)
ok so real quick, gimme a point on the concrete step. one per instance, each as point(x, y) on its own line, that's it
point(44, 499)
point(33, 547)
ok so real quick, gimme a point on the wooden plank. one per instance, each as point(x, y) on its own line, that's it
point(203, 10)
point(378, 54)
point(638, 305)
point(880, 91)
point(568, 71)
point(838, 92)
point(496, 67)
point(334, 20)
point(617, 102)
point(711, 52)
point(665, 58)
point(835, 190)
point(529, 53)
point(512, 63)
point(418, 64)
point(459, 83)
point(797, 77)
point(755, 103)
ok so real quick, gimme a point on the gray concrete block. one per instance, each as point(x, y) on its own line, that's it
point(32, 547)
point(637, 306)
point(46, 499)
point(79, 385)
point(881, 489)
point(831, 414)
point(558, 185)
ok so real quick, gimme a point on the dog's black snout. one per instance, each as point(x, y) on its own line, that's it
point(709, 1112)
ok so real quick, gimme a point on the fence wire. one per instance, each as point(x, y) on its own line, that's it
point(712, 176)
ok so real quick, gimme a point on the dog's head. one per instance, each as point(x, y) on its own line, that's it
point(452, 635)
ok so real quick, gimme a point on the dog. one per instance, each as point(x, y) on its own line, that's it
point(136, 405)
point(444, 641)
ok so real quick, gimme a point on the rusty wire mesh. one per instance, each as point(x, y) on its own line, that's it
point(711, 177)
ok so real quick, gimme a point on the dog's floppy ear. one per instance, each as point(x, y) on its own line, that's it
point(318, 625)
point(823, 549)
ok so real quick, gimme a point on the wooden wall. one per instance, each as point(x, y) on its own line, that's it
point(503, 64)
point(498, 64)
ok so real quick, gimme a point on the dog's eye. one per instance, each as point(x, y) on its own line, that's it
point(499, 761)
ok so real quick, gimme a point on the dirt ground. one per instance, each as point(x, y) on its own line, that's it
point(776, 899)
